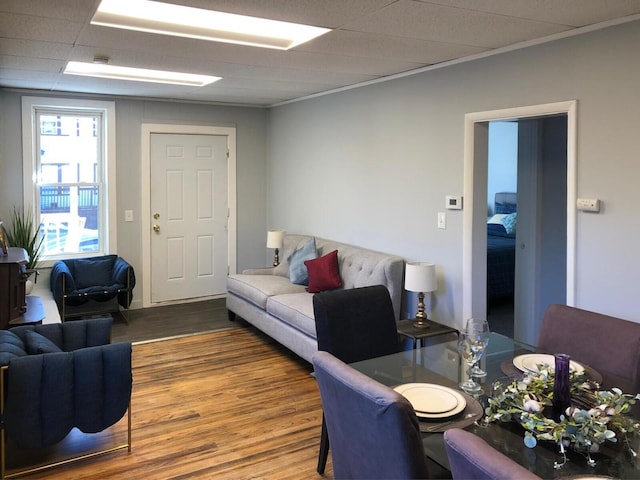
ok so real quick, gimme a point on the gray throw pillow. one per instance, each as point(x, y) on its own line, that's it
point(297, 269)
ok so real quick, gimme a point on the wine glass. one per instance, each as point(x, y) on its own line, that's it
point(481, 329)
point(470, 348)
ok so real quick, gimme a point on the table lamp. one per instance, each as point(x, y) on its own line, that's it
point(421, 278)
point(274, 240)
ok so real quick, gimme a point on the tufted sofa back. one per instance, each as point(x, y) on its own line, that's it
point(359, 267)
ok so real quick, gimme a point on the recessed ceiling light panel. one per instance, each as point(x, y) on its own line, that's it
point(103, 70)
point(168, 19)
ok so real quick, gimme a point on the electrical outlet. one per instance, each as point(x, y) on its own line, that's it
point(442, 220)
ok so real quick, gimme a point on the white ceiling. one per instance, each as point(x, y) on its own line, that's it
point(371, 39)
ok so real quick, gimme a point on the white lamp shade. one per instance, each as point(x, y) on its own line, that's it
point(420, 277)
point(274, 238)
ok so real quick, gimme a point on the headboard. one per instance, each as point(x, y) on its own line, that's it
point(505, 202)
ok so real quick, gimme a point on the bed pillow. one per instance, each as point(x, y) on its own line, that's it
point(497, 219)
point(324, 273)
point(297, 269)
point(509, 223)
point(37, 344)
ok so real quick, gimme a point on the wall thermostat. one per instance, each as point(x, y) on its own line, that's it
point(454, 202)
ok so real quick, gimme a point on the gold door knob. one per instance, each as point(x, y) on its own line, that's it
point(156, 227)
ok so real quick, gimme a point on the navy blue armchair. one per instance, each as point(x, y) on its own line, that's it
point(84, 286)
point(60, 376)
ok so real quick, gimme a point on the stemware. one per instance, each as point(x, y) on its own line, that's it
point(481, 329)
point(470, 348)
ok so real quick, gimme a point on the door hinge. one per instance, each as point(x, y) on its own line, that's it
point(228, 270)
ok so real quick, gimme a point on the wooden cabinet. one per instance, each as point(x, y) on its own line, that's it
point(15, 307)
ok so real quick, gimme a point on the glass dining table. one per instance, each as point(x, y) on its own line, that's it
point(439, 363)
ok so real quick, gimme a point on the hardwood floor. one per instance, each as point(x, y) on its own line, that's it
point(230, 404)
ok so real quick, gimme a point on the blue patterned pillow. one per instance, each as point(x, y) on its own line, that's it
point(509, 223)
point(297, 269)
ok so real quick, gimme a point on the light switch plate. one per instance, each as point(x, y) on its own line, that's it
point(442, 220)
point(128, 215)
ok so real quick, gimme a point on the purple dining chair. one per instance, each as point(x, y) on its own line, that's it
point(373, 430)
point(354, 324)
point(608, 344)
point(471, 458)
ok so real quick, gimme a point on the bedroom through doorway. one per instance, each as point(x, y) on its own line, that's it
point(526, 221)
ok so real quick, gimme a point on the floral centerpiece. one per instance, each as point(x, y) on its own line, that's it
point(594, 417)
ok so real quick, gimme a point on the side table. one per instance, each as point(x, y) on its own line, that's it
point(418, 335)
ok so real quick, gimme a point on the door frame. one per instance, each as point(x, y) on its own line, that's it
point(145, 191)
point(473, 155)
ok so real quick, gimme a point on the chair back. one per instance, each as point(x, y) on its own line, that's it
point(471, 458)
point(356, 324)
point(608, 344)
point(373, 430)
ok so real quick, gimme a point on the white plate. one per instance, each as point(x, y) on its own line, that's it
point(432, 401)
point(529, 362)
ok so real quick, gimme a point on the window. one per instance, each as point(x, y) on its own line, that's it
point(68, 174)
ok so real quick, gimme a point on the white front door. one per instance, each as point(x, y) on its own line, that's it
point(189, 209)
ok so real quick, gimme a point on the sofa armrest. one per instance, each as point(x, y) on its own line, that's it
point(259, 271)
point(59, 272)
point(122, 269)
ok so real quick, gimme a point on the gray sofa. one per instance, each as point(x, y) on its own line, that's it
point(267, 299)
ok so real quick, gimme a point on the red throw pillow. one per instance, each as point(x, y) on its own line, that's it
point(324, 273)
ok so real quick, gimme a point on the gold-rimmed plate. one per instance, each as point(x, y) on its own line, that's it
point(529, 362)
point(430, 400)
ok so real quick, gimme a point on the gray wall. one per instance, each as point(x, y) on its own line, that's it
point(251, 133)
point(372, 165)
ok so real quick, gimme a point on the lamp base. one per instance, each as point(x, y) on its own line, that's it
point(421, 323)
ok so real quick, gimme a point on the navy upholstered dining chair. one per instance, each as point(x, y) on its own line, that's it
point(374, 431)
point(471, 458)
point(608, 344)
point(353, 325)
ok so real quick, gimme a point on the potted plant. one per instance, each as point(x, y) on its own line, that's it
point(23, 232)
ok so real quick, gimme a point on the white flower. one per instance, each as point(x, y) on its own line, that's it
point(532, 406)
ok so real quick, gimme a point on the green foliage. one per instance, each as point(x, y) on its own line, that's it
point(23, 232)
point(594, 417)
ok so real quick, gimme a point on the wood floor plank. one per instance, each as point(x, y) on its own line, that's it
point(228, 404)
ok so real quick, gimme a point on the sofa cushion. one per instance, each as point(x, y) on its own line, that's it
point(37, 344)
point(297, 269)
point(89, 272)
point(290, 243)
point(324, 273)
point(295, 309)
point(11, 346)
point(258, 288)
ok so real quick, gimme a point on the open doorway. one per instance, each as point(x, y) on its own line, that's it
point(535, 284)
point(526, 219)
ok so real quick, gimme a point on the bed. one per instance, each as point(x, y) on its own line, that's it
point(501, 248)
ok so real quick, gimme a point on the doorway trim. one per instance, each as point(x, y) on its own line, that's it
point(470, 122)
point(145, 191)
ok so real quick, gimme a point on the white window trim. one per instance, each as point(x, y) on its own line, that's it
point(108, 109)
